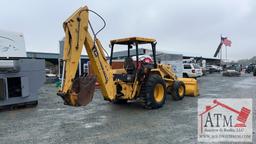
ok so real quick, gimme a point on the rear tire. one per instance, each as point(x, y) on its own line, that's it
point(178, 90)
point(154, 92)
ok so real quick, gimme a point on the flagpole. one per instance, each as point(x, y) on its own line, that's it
point(220, 56)
point(221, 51)
point(226, 54)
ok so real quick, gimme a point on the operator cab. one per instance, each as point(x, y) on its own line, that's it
point(134, 63)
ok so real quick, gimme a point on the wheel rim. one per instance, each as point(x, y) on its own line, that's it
point(159, 93)
point(181, 91)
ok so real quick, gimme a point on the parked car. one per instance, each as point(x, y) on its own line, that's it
point(231, 73)
point(50, 77)
point(204, 70)
point(192, 71)
point(213, 68)
point(233, 70)
point(235, 67)
point(250, 68)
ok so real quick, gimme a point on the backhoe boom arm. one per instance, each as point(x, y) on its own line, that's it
point(77, 36)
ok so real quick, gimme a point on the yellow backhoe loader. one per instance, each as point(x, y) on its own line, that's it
point(146, 81)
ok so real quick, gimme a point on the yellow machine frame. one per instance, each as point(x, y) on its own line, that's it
point(77, 36)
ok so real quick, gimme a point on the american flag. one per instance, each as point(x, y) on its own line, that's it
point(226, 42)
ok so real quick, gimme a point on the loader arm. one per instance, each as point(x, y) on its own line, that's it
point(77, 36)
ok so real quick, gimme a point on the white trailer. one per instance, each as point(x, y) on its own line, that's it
point(12, 45)
point(20, 77)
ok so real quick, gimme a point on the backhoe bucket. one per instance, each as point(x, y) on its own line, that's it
point(84, 87)
point(191, 86)
point(81, 93)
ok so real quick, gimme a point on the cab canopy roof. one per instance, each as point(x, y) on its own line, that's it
point(131, 40)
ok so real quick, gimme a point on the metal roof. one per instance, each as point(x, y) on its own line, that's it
point(125, 41)
point(45, 55)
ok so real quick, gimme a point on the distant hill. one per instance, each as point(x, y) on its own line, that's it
point(247, 61)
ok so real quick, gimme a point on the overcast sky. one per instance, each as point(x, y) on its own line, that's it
point(183, 26)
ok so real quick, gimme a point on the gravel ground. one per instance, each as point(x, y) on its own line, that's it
point(103, 122)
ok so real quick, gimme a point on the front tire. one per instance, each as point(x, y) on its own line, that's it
point(178, 90)
point(154, 92)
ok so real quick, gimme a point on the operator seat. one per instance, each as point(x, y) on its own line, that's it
point(129, 66)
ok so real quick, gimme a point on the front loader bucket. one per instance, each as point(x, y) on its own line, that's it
point(81, 93)
point(191, 86)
